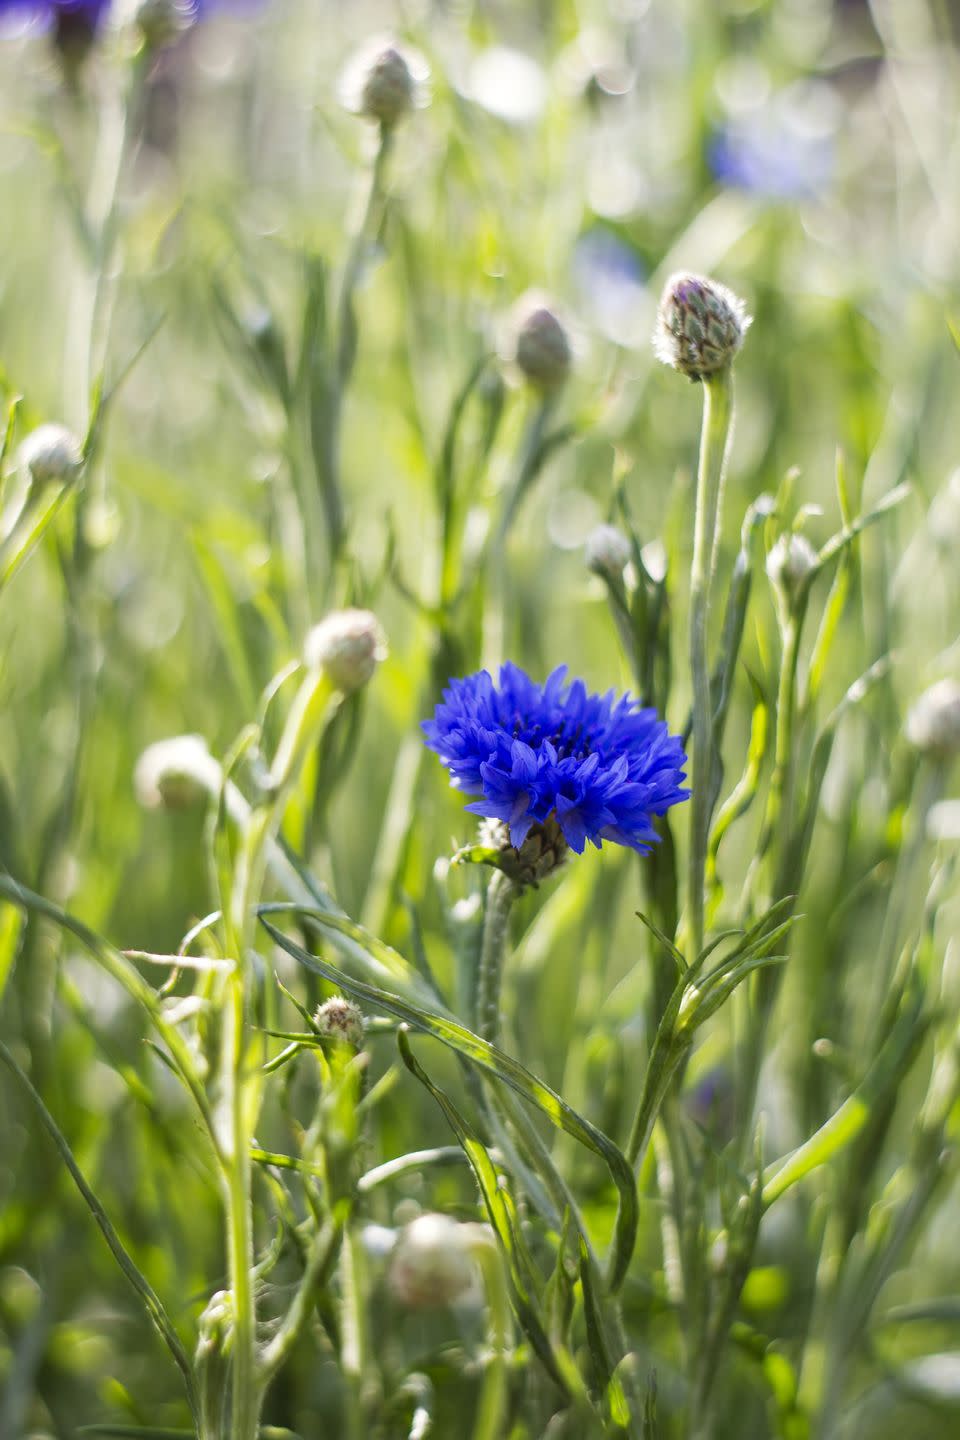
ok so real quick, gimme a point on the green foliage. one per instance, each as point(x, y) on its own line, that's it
point(695, 1114)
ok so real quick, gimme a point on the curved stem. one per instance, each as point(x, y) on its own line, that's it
point(714, 447)
point(501, 893)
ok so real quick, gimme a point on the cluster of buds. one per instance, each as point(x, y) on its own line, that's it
point(700, 326)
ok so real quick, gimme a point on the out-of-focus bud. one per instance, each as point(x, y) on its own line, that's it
point(790, 563)
point(540, 344)
point(211, 1363)
point(176, 773)
point(432, 1264)
point(933, 721)
point(348, 645)
point(384, 81)
point(161, 21)
point(339, 1019)
point(607, 552)
point(51, 454)
point(700, 325)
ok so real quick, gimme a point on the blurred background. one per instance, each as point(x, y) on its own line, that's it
point(807, 153)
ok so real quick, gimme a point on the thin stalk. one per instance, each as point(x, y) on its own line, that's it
point(501, 893)
point(247, 1390)
point(715, 440)
point(327, 451)
point(492, 1406)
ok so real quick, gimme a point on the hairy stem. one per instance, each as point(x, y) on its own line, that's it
point(501, 893)
point(714, 447)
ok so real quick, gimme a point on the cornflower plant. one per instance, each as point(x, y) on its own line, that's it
point(412, 1112)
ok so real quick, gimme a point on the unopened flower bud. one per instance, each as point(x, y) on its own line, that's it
point(541, 346)
point(384, 82)
point(347, 644)
point(432, 1264)
point(933, 721)
point(339, 1019)
point(607, 552)
point(700, 325)
point(790, 563)
point(176, 773)
point(51, 454)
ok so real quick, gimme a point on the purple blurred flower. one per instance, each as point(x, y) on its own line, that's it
point(780, 150)
point(610, 279)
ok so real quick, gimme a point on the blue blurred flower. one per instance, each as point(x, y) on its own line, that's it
point(775, 150)
point(610, 279)
point(83, 14)
point(602, 766)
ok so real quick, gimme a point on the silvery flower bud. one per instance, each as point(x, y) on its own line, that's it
point(790, 563)
point(933, 721)
point(700, 325)
point(347, 644)
point(607, 552)
point(432, 1264)
point(176, 773)
point(51, 453)
point(541, 346)
point(339, 1019)
point(384, 82)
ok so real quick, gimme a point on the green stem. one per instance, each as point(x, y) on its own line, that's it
point(492, 1406)
point(714, 447)
point(501, 893)
point(247, 1391)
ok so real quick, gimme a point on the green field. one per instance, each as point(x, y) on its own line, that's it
point(657, 1145)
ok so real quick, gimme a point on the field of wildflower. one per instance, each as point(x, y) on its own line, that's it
point(480, 675)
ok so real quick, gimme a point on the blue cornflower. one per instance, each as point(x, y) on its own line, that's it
point(602, 767)
point(80, 14)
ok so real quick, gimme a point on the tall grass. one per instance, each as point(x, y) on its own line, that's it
point(663, 1146)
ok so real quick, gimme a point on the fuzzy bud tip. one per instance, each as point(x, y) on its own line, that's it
point(339, 1019)
point(432, 1264)
point(606, 552)
point(348, 645)
point(933, 721)
point(790, 563)
point(51, 454)
point(700, 326)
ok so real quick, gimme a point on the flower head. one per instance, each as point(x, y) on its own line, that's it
point(600, 767)
point(700, 325)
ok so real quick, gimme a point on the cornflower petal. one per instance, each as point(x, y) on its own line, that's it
point(603, 766)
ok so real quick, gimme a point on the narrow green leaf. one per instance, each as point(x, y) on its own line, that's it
point(151, 1300)
point(522, 1280)
point(489, 1058)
